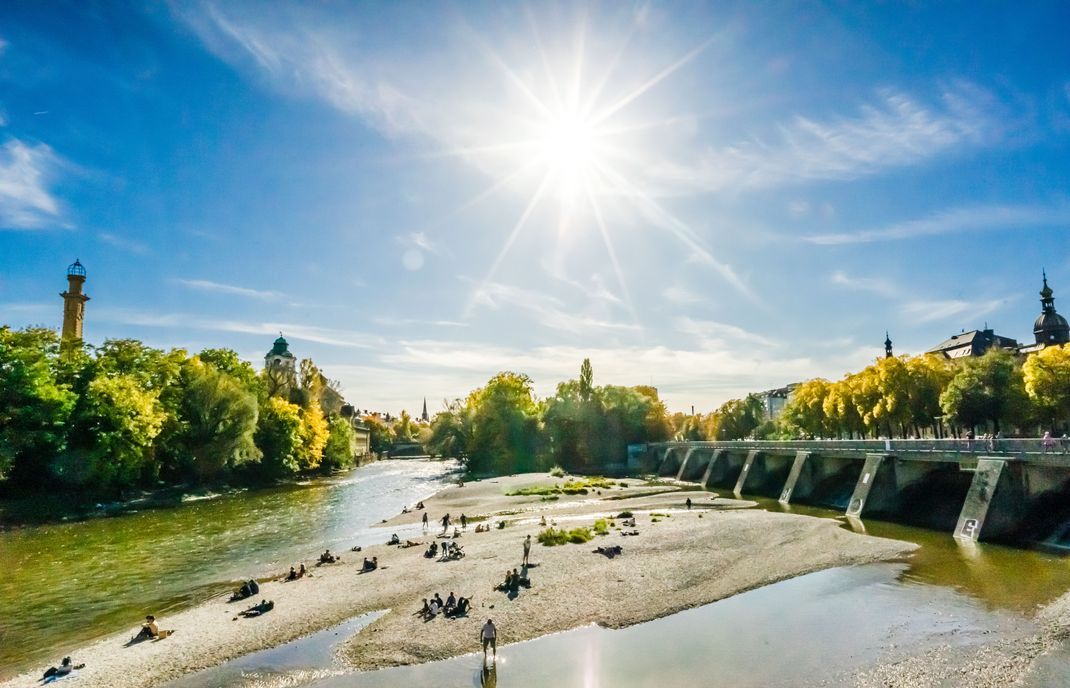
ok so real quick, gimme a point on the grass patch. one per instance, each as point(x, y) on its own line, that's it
point(657, 515)
point(559, 536)
point(570, 487)
point(601, 527)
point(557, 472)
point(624, 514)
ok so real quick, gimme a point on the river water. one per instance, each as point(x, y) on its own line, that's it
point(65, 584)
point(812, 630)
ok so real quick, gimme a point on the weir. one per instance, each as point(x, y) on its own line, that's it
point(1005, 490)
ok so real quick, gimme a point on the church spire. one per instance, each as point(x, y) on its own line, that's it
point(423, 416)
point(887, 345)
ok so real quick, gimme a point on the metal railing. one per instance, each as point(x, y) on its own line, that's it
point(1053, 446)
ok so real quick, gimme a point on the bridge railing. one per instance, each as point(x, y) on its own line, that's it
point(986, 446)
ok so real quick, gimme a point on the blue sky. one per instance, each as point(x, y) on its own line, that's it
point(714, 198)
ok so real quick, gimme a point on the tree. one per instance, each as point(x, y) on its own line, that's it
point(738, 418)
point(314, 433)
point(338, 452)
point(1047, 381)
point(404, 430)
point(586, 386)
point(451, 430)
point(504, 425)
point(804, 413)
point(381, 435)
point(989, 388)
point(278, 436)
point(115, 425)
point(219, 415)
point(34, 405)
point(227, 361)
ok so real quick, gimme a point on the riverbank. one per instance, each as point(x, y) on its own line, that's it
point(686, 559)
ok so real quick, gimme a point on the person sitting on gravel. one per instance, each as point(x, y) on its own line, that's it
point(264, 607)
point(425, 610)
point(370, 565)
point(292, 575)
point(65, 667)
point(419, 505)
point(149, 630)
point(394, 540)
point(328, 558)
point(451, 603)
point(302, 572)
point(463, 605)
point(439, 602)
point(433, 609)
point(507, 584)
point(432, 550)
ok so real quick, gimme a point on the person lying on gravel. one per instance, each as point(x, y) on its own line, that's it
point(65, 667)
point(149, 630)
point(264, 607)
point(412, 543)
point(609, 551)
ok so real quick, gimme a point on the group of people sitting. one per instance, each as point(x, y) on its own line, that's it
point(482, 527)
point(247, 589)
point(452, 608)
point(513, 582)
point(449, 550)
point(293, 575)
point(370, 564)
point(328, 558)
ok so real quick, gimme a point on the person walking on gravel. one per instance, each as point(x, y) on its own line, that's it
point(527, 549)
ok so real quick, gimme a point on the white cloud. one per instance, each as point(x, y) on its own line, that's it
point(714, 333)
point(895, 130)
point(546, 310)
point(975, 219)
point(680, 295)
point(25, 173)
point(870, 284)
point(923, 311)
point(216, 287)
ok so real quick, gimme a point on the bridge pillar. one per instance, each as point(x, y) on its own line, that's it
point(995, 502)
point(665, 459)
point(793, 476)
point(878, 468)
point(752, 456)
point(683, 464)
point(716, 454)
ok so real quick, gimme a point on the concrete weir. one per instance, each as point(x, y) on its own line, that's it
point(1017, 490)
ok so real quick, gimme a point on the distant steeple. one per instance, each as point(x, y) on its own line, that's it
point(1050, 327)
point(423, 416)
point(887, 345)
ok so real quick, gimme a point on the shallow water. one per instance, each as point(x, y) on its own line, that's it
point(70, 583)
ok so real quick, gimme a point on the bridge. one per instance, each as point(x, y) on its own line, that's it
point(995, 489)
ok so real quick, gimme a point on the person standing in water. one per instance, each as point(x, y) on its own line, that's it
point(527, 549)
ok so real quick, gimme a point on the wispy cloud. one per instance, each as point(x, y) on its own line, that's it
point(26, 171)
point(714, 333)
point(418, 240)
point(680, 295)
point(547, 310)
point(974, 219)
point(875, 285)
point(218, 288)
point(923, 311)
point(896, 129)
point(124, 243)
point(291, 330)
point(419, 322)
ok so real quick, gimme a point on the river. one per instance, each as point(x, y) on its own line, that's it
point(69, 583)
point(110, 570)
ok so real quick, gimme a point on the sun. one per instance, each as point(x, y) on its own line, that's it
point(568, 151)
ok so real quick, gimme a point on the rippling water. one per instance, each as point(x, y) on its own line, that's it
point(65, 584)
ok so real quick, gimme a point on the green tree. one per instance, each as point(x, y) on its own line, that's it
point(804, 413)
point(451, 430)
point(115, 425)
point(34, 404)
point(988, 388)
point(738, 418)
point(227, 361)
point(218, 420)
point(338, 452)
point(504, 426)
point(381, 435)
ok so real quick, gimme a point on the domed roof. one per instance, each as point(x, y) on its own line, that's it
point(76, 269)
point(281, 348)
point(1051, 328)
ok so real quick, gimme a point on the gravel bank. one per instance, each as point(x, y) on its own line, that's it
point(686, 559)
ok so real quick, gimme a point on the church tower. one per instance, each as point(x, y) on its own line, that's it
point(887, 345)
point(1050, 327)
point(74, 303)
point(279, 368)
point(423, 416)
